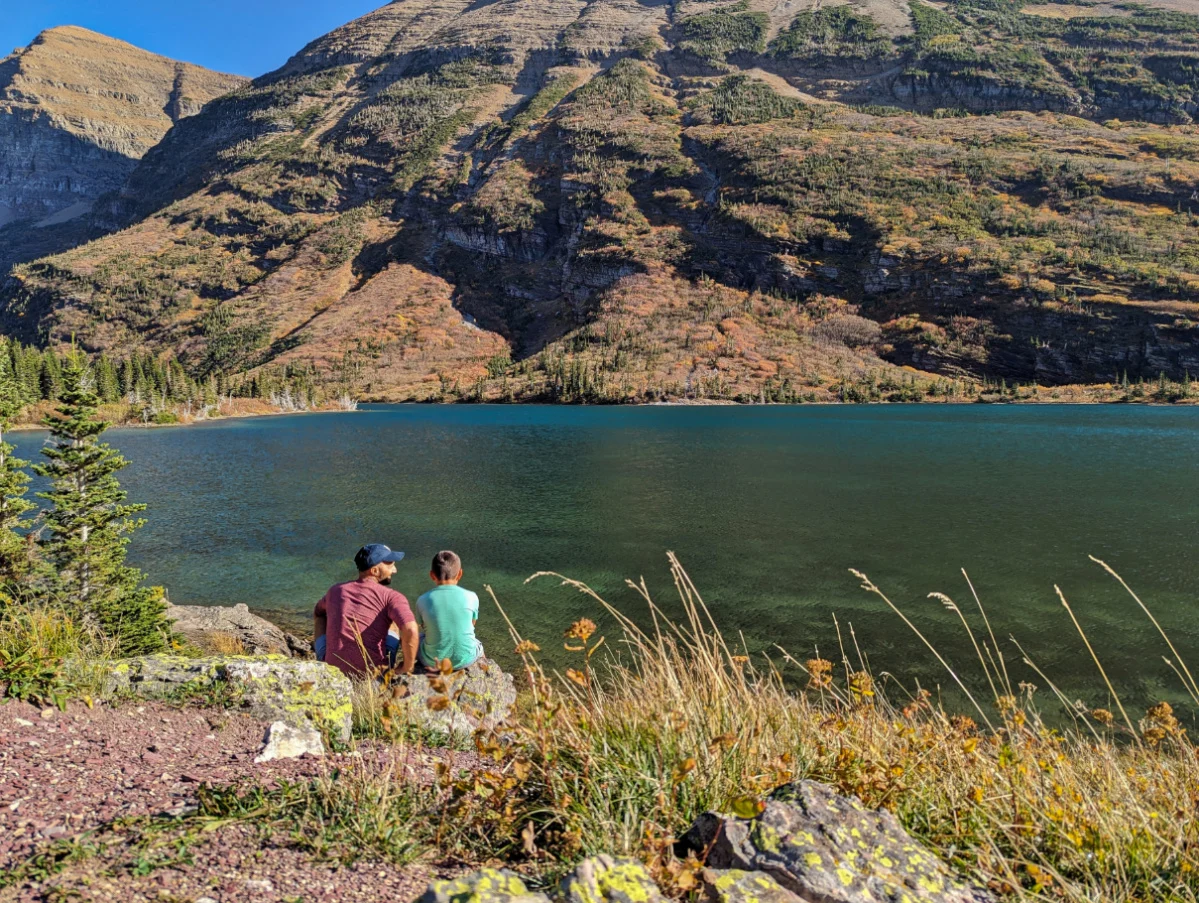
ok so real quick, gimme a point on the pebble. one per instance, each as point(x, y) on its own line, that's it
point(256, 886)
point(47, 714)
point(23, 722)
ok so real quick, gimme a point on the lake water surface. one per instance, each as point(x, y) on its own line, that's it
point(766, 507)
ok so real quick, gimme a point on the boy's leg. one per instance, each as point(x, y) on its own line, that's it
point(320, 646)
point(480, 656)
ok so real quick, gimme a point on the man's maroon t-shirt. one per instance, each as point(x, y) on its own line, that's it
point(359, 615)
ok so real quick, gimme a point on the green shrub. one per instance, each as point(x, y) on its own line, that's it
point(831, 33)
point(714, 36)
point(928, 22)
point(740, 100)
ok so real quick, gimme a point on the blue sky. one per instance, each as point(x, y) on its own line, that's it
point(246, 37)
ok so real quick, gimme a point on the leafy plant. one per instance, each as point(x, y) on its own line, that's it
point(47, 658)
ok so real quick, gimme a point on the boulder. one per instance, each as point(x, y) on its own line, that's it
point(484, 886)
point(286, 742)
point(604, 879)
point(821, 846)
point(303, 694)
point(480, 696)
point(213, 627)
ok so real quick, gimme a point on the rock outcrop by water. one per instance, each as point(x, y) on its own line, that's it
point(481, 696)
point(271, 688)
point(208, 625)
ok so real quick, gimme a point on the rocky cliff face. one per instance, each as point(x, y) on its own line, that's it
point(77, 112)
point(611, 200)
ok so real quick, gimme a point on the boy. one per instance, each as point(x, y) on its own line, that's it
point(446, 615)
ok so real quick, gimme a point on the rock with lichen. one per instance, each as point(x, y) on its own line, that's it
point(737, 886)
point(604, 879)
point(484, 886)
point(303, 694)
point(821, 846)
point(479, 696)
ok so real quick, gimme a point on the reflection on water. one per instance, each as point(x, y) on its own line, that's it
point(766, 507)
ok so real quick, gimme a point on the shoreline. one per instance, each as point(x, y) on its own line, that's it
point(26, 426)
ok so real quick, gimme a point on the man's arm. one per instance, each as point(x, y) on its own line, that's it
point(409, 641)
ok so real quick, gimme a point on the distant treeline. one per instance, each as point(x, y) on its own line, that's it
point(148, 380)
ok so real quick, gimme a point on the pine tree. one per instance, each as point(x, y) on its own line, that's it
point(16, 550)
point(90, 524)
point(51, 376)
point(107, 385)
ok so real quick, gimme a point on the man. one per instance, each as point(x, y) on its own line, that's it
point(352, 620)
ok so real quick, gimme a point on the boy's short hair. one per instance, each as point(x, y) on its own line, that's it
point(446, 565)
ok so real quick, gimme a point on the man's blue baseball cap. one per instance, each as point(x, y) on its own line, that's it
point(375, 553)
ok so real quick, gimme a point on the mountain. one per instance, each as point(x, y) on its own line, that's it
point(631, 199)
point(78, 110)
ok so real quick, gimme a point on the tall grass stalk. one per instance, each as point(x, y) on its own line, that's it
point(627, 749)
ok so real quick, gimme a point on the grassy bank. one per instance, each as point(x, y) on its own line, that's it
point(648, 728)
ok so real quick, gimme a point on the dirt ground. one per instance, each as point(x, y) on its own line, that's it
point(65, 775)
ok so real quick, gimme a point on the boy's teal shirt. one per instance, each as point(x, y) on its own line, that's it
point(447, 615)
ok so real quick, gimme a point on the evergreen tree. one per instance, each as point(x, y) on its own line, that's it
point(90, 524)
point(127, 377)
point(28, 367)
point(51, 378)
point(107, 385)
point(16, 549)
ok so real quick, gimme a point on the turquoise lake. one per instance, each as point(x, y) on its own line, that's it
point(767, 508)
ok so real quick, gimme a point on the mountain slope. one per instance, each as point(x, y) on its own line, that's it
point(78, 110)
point(613, 199)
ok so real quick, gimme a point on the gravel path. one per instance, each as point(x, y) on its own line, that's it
point(63, 774)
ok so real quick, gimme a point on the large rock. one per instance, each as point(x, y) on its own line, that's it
point(286, 742)
point(485, 886)
point(272, 687)
point(604, 879)
point(481, 696)
point(825, 848)
point(207, 626)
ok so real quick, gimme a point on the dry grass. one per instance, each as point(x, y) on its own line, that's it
point(627, 748)
point(224, 643)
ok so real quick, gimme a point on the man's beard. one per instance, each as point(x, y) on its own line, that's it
point(386, 581)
